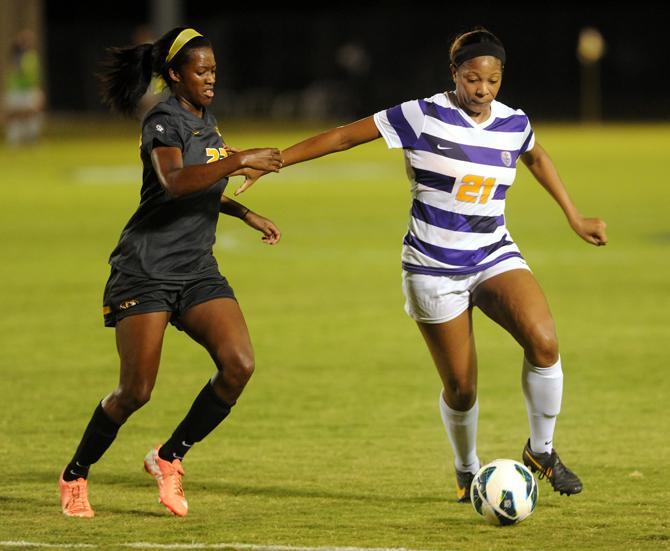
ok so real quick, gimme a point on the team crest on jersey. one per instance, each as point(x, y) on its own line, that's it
point(160, 128)
point(506, 157)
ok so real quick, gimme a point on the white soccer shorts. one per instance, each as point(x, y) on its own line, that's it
point(438, 299)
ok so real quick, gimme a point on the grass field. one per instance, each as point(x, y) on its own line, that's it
point(337, 440)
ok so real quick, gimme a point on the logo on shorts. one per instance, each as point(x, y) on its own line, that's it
point(128, 304)
point(160, 128)
point(506, 157)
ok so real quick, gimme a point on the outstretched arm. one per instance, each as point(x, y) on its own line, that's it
point(179, 180)
point(331, 141)
point(591, 230)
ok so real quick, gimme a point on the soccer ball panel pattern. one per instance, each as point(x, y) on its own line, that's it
point(504, 492)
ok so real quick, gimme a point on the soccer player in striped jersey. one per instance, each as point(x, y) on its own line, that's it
point(461, 149)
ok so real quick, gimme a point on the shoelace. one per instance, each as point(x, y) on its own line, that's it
point(175, 478)
point(79, 498)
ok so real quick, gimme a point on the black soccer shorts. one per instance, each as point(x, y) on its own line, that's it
point(129, 295)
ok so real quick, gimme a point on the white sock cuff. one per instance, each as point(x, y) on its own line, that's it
point(456, 415)
point(551, 372)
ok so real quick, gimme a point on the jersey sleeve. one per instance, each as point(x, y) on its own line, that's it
point(161, 129)
point(401, 126)
point(528, 138)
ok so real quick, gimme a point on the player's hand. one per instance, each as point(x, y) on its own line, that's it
point(267, 159)
point(230, 150)
point(271, 233)
point(250, 177)
point(591, 230)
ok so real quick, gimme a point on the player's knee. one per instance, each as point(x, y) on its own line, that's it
point(460, 395)
point(237, 366)
point(131, 399)
point(543, 346)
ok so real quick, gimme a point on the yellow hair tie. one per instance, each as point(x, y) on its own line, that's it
point(179, 42)
point(157, 84)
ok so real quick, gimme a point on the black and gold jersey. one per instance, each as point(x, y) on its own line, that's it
point(167, 237)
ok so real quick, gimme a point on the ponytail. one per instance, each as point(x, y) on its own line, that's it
point(127, 72)
point(125, 76)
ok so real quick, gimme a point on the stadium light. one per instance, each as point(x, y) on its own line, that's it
point(590, 50)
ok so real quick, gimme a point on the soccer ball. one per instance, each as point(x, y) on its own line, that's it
point(504, 492)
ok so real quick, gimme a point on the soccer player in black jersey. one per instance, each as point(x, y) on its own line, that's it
point(163, 269)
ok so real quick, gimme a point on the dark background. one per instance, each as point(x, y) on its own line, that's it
point(282, 62)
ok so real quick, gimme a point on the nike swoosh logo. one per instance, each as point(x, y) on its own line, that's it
point(187, 445)
point(443, 147)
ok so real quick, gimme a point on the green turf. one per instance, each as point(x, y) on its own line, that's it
point(337, 440)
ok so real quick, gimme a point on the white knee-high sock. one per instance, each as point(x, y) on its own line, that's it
point(543, 389)
point(461, 427)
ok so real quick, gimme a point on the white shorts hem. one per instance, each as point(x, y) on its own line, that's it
point(434, 321)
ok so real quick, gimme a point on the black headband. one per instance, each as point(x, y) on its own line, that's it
point(478, 49)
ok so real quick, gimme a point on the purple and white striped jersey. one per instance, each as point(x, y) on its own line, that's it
point(459, 172)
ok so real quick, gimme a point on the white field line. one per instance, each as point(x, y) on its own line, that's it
point(231, 546)
point(113, 174)
point(47, 545)
point(254, 547)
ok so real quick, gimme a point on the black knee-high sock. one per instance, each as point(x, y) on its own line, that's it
point(207, 411)
point(98, 436)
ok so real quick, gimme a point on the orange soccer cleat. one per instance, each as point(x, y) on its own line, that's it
point(74, 498)
point(168, 477)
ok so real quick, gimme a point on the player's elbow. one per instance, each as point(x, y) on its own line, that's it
point(173, 187)
point(343, 139)
point(172, 192)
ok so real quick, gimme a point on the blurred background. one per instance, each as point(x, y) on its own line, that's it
point(566, 62)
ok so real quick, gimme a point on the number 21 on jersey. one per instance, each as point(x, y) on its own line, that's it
point(475, 189)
